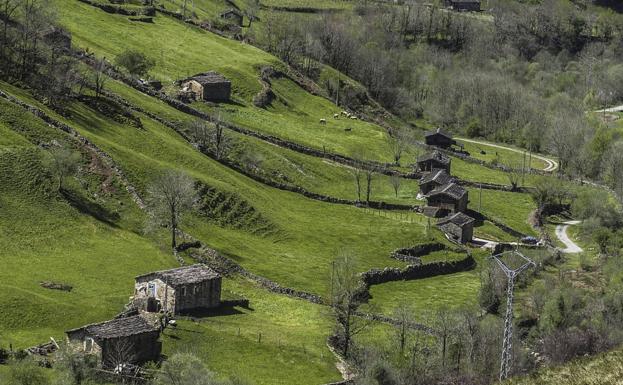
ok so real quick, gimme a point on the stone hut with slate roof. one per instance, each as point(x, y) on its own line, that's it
point(439, 138)
point(179, 290)
point(434, 160)
point(434, 179)
point(458, 227)
point(233, 15)
point(450, 196)
point(128, 340)
point(210, 86)
point(464, 5)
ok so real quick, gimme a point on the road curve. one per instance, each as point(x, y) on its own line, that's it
point(552, 165)
point(561, 233)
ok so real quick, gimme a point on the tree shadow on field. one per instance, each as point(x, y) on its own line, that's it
point(88, 207)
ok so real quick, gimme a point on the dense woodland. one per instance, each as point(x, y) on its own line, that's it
point(524, 73)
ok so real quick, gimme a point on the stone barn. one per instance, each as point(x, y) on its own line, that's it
point(120, 341)
point(179, 290)
point(57, 37)
point(434, 161)
point(233, 15)
point(434, 179)
point(464, 5)
point(458, 227)
point(210, 86)
point(439, 138)
point(450, 196)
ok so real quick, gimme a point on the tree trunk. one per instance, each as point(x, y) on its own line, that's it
point(173, 228)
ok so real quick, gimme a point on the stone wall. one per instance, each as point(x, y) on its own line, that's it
point(389, 274)
point(415, 253)
point(121, 9)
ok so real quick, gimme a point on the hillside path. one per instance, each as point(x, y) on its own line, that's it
point(611, 109)
point(552, 165)
point(561, 233)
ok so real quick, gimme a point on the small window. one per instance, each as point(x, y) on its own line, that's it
point(197, 288)
point(184, 290)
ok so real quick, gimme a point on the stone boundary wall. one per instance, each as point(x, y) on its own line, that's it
point(415, 253)
point(411, 272)
point(383, 168)
point(106, 159)
point(261, 179)
point(120, 9)
point(226, 266)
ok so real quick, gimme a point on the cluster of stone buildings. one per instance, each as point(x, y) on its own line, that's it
point(134, 338)
point(445, 198)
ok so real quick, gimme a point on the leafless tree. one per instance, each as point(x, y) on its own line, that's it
point(100, 76)
point(170, 196)
point(404, 314)
point(345, 299)
point(118, 352)
point(212, 138)
point(395, 180)
point(514, 174)
point(357, 174)
point(370, 171)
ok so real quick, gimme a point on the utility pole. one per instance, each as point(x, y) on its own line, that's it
point(523, 170)
point(480, 198)
point(511, 274)
point(337, 97)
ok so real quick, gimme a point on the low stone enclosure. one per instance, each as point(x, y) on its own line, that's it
point(411, 272)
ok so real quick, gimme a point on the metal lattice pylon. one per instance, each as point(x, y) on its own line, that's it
point(511, 274)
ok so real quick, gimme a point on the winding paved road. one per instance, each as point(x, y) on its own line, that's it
point(552, 165)
point(561, 233)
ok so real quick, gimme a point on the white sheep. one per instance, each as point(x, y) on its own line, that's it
point(323, 121)
point(345, 113)
point(336, 116)
point(353, 117)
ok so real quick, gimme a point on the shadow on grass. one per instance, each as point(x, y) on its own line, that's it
point(225, 310)
point(85, 206)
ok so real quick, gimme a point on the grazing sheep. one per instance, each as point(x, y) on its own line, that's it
point(348, 115)
point(353, 117)
point(323, 121)
point(336, 116)
point(348, 129)
point(344, 113)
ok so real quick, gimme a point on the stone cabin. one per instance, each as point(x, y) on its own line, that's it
point(210, 86)
point(57, 37)
point(450, 196)
point(434, 161)
point(122, 340)
point(434, 179)
point(464, 5)
point(179, 290)
point(233, 15)
point(439, 138)
point(458, 227)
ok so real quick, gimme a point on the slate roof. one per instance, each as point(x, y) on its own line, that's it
point(210, 77)
point(438, 176)
point(451, 189)
point(231, 11)
point(122, 327)
point(434, 155)
point(438, 131)
point(458, 219)
point(183, 275)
